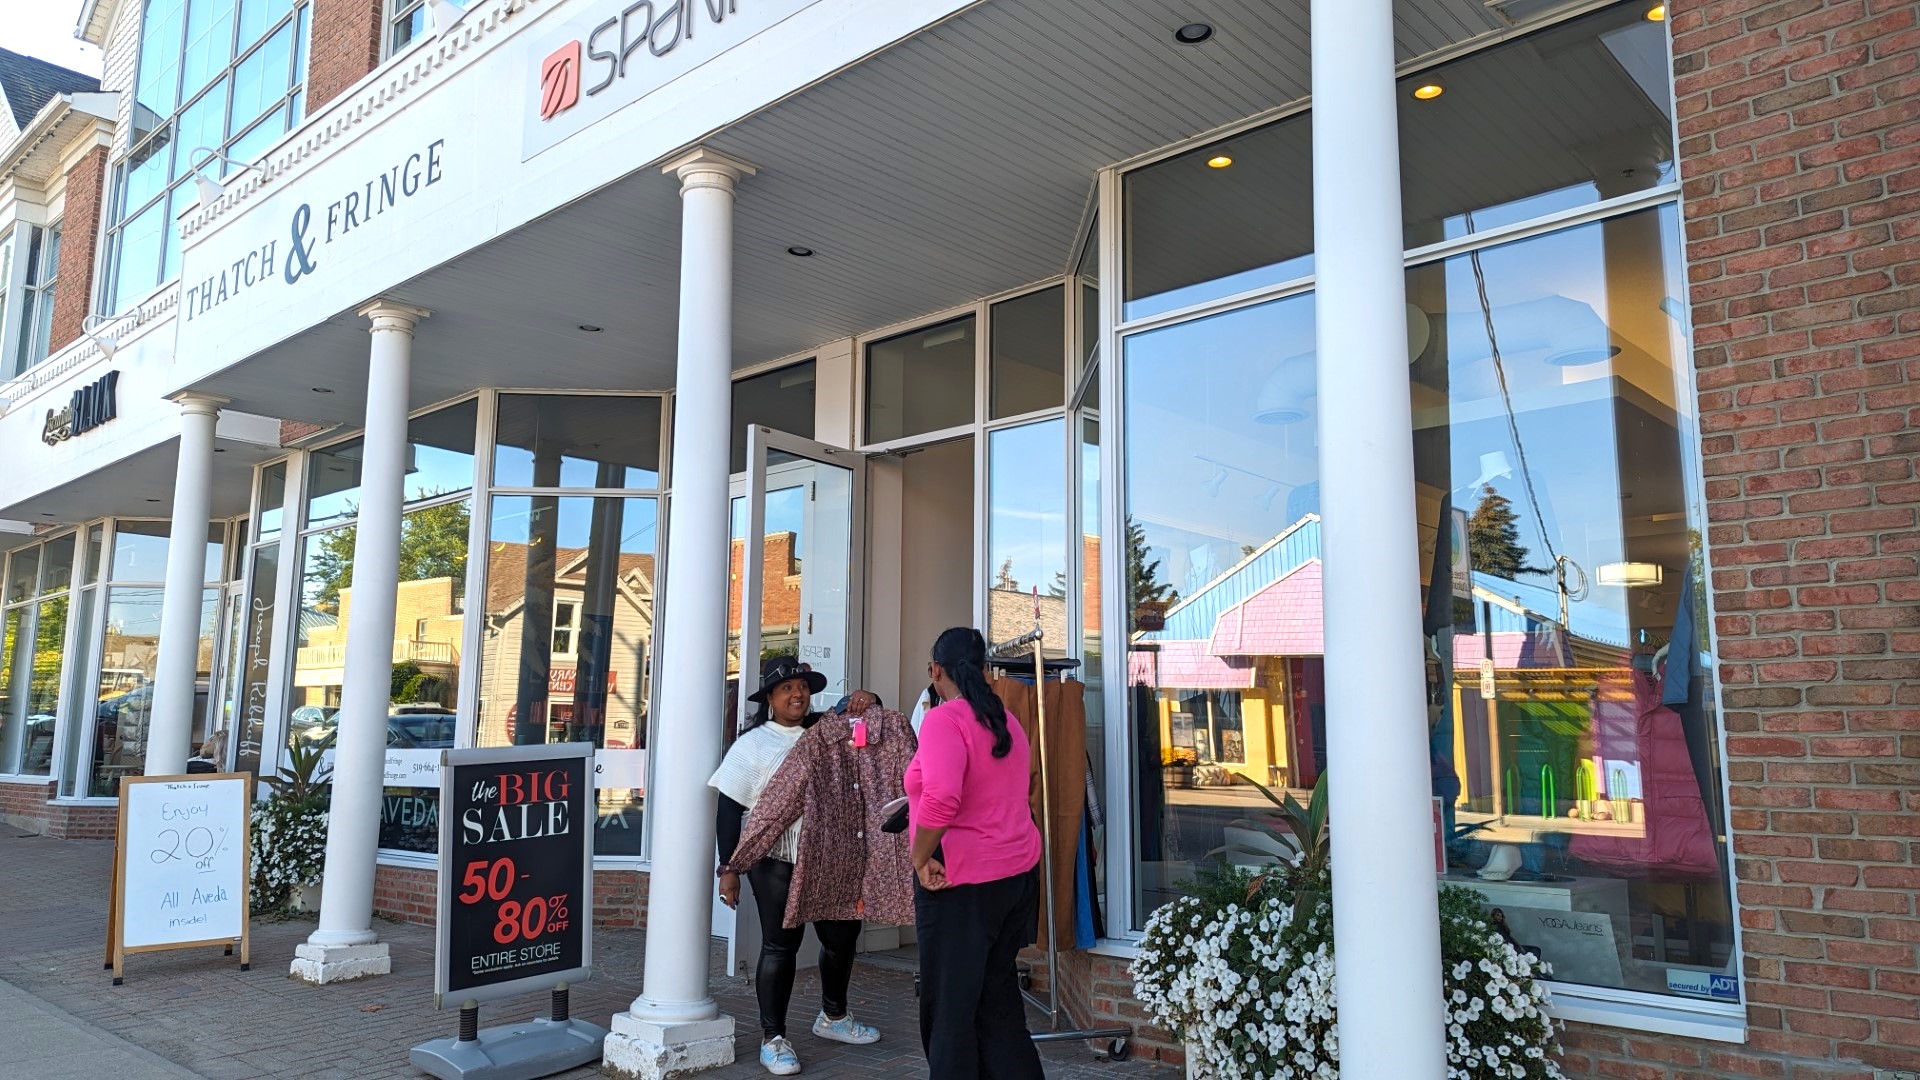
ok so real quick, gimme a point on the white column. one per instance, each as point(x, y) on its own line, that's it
point(1386, 920)
point(674, 1027)
point(345, 945)
point(170, 732)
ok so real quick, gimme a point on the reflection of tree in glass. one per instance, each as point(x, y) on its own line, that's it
point(1493, 538)
point(433, 544)
point(1004, 581)
point(1143, 572)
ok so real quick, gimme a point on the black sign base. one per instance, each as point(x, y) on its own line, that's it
point(522, 1051)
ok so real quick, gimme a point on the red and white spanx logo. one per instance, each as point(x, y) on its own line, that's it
point(560, 80)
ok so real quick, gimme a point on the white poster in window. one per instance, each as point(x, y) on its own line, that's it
point(1459, 556)
point(1579, 944)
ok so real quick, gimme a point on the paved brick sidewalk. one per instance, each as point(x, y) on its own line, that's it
point(198, 1011)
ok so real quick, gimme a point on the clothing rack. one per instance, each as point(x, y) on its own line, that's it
point(1119, 1035)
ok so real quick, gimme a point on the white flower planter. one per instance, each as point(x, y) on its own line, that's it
point(1193, 1067)
point(307, 897)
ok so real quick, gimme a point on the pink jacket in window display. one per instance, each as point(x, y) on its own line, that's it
point(847, 868)
point(1675, 840)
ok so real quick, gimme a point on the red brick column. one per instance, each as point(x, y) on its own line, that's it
point(1800, 155)
point(79, 239)
point(345, 46)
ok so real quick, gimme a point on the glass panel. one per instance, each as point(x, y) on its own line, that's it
point(300, 43)
point(439, 462)
point(1223, 582)
point(203, 126)
point(159, 79)
point(256, 645)
point(58, 563)
point(6, 272)
point(553, 440)
point(209, 43)
point(249, 148)
point(182, 196)
point(1086, 349)
point(23, 573)
point(1584, 114)
point(125, 704)
point(257, 15)
point(1028, 363)
point(782, 400)
point(1554, 431)
point(69, 760)
point(1220, 220)
point(43, 691)
point(218, 746)
point(1027, 533)
point(569, 634)
point(427, 636)
point(137, 266)
point(96, 547)
point(16, 662)
point(140, 550)
point(261, 80)
point(1092, 648)
point(921, 381)
point(273, 500)
point(147, 169)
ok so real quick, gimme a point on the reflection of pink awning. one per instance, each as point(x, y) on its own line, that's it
point(1282, 619)
point(1186, 665)
point(1511, 649)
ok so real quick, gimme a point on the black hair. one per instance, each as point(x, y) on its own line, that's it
point(962, 653)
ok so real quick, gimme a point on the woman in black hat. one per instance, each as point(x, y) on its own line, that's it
point(784, 710)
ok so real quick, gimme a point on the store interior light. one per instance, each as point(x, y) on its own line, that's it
point(1214, 482)
point(1429, 91)
point(1631, 575)
point(1219, 161)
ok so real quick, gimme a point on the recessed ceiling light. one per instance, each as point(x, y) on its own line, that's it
point(1219, 161)
point(1657, 13)
point(589, 328)
point(1193, 33)
point(219, 449)
point(320, 389)
point(46, 515)
point(799, 252)
point(1429, 91)
point(153, 500)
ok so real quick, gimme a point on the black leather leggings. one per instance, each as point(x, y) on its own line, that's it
point(773, 980)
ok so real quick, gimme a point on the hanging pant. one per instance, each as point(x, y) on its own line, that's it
point(779, 946)
point(973, 1021)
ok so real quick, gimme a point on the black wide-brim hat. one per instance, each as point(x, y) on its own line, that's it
point(782, 668)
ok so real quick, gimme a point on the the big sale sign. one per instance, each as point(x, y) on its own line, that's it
point(516, 870)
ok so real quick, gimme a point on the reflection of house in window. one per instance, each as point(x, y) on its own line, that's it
point(566, 627)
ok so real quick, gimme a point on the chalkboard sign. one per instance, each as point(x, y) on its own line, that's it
point(516, 870)
point(180, 865)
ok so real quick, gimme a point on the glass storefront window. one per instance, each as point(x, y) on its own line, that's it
point(921, 381)
point(782, 399)
point(1222, 579)
point(1027, 363)
point(568, 634)
point(552, 440)
point(33, 645)
point(140, 550)
point(273, 500)
point(428, 636)
point(123, 710)
point(440, 448)
point(1027, 533)
point(1223, 219)
point(23, 574)
point(1583, 112)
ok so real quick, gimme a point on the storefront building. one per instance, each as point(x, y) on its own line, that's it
point(531, 331)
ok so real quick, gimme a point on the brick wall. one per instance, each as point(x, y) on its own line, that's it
point(345, 46)
point(1800, 155)
point(29, 805)
point(23, 804)
point(79, 238)
point(407, 893)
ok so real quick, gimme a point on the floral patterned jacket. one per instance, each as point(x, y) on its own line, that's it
point(848, 868)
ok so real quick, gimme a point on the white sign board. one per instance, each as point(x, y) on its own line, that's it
point(181, 864)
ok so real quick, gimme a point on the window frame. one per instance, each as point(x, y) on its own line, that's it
point(39, 275)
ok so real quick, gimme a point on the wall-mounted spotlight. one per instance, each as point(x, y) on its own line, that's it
point(107, 342)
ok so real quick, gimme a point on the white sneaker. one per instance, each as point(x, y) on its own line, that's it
point(845, 1030)
point(778, 1058)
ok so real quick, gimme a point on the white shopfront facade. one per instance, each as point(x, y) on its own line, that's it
point(1009, 326)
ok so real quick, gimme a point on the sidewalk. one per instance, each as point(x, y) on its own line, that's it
point(196, 1014)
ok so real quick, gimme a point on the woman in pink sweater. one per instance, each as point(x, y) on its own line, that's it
point(974, 851)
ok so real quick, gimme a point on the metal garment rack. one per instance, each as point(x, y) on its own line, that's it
point(1120, 1035)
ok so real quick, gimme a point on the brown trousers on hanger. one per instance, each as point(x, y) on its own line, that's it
point(1066, 760)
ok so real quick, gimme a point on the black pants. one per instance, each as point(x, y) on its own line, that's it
point(773, 980)
point(973, 1022)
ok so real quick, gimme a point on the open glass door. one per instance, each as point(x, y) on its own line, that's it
point(797, 534)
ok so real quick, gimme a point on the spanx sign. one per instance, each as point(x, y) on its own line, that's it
point(312, 229)
point(622, 52)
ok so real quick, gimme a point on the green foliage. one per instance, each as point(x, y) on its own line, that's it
point(1143, 573)
point(433, 544)
point(1493, 537)
point(290, 827)
point(305, 779)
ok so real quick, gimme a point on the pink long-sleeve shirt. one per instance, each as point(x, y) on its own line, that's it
point(955, 782)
